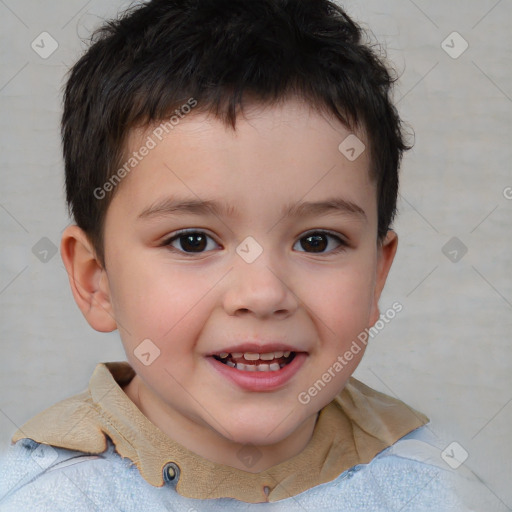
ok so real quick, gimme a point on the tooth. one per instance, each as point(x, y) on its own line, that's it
point(251, 357)
point(246, 367)
point(287, 353)
point(236, 354)
point(223, 355)
point(267, 357)
point(273, 367)
point(277, 355)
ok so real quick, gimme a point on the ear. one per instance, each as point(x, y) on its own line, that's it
point(88, 279)
point(385, 257)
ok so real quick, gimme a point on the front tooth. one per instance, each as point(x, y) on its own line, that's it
point(236, 354)
point(274, 367)
point(248, 356)
point(267, 357)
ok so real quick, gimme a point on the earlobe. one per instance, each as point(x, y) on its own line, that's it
point(88, 279)
point(386, 255)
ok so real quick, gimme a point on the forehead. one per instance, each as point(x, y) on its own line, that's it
point(275, 154)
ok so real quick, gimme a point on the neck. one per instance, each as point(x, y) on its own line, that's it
point(208, 443)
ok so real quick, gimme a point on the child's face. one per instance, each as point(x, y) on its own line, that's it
point(202, 296)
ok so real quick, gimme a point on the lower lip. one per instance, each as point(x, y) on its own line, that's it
point(260, 381)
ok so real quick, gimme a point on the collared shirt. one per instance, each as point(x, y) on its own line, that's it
point(352, 429)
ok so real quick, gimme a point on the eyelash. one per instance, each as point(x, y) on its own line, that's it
point(179, 234)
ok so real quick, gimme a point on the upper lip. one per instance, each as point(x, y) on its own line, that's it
point(257, 348)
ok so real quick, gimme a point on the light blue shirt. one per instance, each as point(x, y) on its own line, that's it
point(409, 476)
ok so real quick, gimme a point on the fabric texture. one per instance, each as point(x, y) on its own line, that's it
point(33, 479)
point(97, 451)
point(358, 424)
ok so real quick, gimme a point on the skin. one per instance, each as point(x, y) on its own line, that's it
point(192, 304)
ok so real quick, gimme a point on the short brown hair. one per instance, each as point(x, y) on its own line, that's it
point(153, 58)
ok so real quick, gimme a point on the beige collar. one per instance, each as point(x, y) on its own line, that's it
point(358, 424)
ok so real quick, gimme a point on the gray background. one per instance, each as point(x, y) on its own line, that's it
point(447, 353)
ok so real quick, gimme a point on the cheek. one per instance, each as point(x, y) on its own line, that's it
point(341, 311)
point(341, 302)
point(156, 303)
point(347, 291)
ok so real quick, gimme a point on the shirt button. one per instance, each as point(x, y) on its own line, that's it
point(171, 472)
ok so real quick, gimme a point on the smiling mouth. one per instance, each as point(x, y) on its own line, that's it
point(256, 362)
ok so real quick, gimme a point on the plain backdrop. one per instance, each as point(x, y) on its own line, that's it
point(446, 354)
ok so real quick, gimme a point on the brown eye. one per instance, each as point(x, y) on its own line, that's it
point(318, 241)
point(193, 242)
point(189, 242)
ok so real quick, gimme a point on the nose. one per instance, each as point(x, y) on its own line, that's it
point(259, 288)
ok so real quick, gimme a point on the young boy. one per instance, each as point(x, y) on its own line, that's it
point(232, 169)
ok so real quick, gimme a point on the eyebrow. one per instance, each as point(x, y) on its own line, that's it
point(180, 206)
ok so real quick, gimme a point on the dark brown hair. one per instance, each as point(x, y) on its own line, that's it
point(150, 61)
